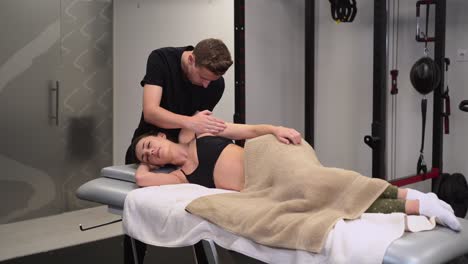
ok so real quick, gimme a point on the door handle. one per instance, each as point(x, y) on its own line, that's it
point(56, 89)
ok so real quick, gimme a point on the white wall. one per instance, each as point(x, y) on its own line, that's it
point(343, 86)
point(274, 45)
point(144, 25)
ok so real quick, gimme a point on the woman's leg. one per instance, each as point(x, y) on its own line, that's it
point(391, 192)
point(387, 206)
point(390, 201)
point(412, 202)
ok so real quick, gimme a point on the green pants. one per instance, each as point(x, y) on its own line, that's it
point(388, 202)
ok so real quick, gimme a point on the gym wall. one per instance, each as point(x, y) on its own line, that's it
point(275, 73)
point(344, 91)
point(343, 86)
point(274, 68)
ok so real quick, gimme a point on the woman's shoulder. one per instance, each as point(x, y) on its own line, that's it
point(211, 136)
point(204, 135)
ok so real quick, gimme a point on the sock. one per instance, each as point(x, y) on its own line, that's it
point(413, 194)
point(443, 203)
point(430, 206)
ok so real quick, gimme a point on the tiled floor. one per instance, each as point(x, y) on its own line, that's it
point(55, 232)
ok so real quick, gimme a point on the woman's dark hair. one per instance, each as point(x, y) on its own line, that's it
point(140, 137)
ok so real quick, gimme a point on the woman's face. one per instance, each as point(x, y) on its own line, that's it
point(153, 150)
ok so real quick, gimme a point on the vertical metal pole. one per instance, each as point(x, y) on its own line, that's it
point(199, 254)
point(309, 106)
point(239, 63)
point(134, 251)
point(379, 113)
point(439, 55)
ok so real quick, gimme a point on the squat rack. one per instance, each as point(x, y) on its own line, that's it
point(377, 140)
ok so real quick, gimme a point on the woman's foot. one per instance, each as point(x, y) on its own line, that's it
point(430, 205)
point(417, 195)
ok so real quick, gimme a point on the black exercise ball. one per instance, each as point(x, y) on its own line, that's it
point(425, 75)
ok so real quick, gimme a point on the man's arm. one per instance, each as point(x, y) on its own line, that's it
point(153, 113)
point(241, 131)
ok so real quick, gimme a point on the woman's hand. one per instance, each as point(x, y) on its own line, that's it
point(287, 135)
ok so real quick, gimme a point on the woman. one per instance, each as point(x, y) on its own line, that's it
point(215, 161)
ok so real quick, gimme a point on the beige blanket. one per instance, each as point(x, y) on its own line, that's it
point(290, 200)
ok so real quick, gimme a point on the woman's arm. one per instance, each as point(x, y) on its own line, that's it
point(145, 177)
point(241, 131)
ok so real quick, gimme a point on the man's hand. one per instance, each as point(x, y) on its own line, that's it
point(204, 122)
point(287, 135)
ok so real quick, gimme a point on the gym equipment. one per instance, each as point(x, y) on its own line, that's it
point(421, 167)
point(454, 190)
point(425, 75)
point(422, 36)
point(463, 106)
point(343, 10)
point(445, 96)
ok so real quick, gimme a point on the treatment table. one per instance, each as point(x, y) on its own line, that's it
point(440, 245)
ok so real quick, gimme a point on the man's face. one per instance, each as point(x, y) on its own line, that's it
point(200, 76)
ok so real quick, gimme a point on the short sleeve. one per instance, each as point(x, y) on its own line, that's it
point(214, 93)
point(155, 70)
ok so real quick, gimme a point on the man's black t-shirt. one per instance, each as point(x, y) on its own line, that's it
point(179, 95)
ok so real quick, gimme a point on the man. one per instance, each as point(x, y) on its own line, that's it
point(181, 87)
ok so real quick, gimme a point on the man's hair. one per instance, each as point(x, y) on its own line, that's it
point(212, 54)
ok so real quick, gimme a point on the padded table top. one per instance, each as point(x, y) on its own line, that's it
point(127, 172)
point(436, 246)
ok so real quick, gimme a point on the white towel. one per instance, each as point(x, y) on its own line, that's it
point(156, 216)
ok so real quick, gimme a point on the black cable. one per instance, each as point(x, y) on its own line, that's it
point(421, 167)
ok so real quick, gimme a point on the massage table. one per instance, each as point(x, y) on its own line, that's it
point(440, 245)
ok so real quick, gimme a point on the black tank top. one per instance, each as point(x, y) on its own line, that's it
point(208, 150)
